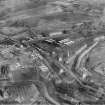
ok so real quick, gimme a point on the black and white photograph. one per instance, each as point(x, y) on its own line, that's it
point(52, 52)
